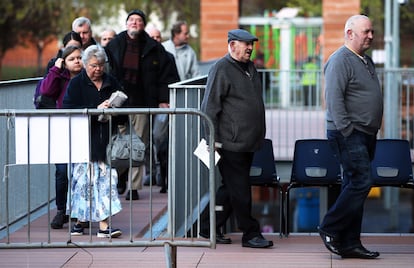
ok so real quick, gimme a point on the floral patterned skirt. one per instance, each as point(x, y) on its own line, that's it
point(94, 196)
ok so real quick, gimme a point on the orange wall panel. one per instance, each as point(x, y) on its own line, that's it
point(335, 13)
point(26, 56)
point(217, 18)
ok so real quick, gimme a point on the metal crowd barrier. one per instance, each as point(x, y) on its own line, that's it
point(288, 118)
point(28, 173)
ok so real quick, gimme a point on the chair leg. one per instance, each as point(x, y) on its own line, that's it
point(281, 212)
point(287, 212)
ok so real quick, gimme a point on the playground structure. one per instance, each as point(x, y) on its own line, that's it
point(285, 45)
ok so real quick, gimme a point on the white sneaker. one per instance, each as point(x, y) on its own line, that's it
point(109, 233)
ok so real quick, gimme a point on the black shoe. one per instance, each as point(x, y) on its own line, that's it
point(163, 190)
point(59, 219)
point(220, 238)
point(257, 242)
point(331, 243)
point(134, 195)
point(359, 253)
point(77, 230)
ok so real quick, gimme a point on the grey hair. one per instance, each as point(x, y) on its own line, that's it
point(93, 51)
point(350, 23)
point(80, 22)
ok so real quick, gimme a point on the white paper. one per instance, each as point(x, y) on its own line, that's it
point(202, 152)
point(117, 99)
point(36, 131)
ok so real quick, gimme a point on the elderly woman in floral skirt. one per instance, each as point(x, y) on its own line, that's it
point(93, 189)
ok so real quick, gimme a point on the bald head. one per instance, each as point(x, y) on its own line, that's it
point(352, 22)
point(154, 33)
point(106, 36)
point(359, 33)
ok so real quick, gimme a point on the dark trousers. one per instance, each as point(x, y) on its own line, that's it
point(344, 218)
point(234, 195)
point(162, 155)
point(61, 185)
point(309, 95)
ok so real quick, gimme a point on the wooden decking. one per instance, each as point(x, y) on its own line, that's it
point(298, 250)
point(295, 251)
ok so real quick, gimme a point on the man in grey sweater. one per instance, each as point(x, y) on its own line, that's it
point(233, 100)
point(184, 55)
point(354, 114)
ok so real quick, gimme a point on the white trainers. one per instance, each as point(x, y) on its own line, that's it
point(109, 233)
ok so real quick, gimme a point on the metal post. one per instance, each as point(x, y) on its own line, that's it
point(170, 255)
point(284, 76)
point(391, 100)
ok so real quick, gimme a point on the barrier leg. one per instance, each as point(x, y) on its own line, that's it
point(170, 255)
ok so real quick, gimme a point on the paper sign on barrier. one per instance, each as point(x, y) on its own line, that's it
point(47, 139)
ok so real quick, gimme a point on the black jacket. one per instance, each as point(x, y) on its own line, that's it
point(82, 93)
point(233, 100)
point(155, 70)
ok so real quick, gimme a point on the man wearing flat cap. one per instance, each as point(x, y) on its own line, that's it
point(233, 100)
point(142, 66)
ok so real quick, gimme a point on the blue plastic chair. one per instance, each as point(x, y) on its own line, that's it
point(392, 165)
point(263, 173)
point(314, 165)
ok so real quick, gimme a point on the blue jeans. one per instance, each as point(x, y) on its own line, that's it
point(355, 152)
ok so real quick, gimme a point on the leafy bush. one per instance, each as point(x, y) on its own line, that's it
point(13, 72)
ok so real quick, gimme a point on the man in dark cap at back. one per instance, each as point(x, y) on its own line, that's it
point(142, 66)
point(233, 100)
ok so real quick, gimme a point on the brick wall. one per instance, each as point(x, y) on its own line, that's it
point(26, 56)
point(335, 13)
point(217, 18)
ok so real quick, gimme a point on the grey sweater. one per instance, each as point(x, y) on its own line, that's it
point(185, 60)
point(353, 94)
point(233, 100)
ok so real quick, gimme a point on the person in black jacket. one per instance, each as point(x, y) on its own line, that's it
point(142, 66)
point(160, 126)
point(233, 100)
point(92, 88)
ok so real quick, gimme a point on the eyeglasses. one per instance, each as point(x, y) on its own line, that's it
point(96, 66)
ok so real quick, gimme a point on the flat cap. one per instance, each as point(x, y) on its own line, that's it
point(139, 13)
point(240, 35)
